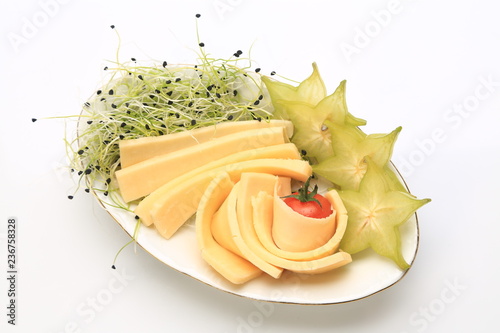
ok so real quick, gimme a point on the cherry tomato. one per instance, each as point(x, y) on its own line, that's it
point(309, 203)
point(311, 208)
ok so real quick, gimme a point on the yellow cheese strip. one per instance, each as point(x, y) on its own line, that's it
point(138, 150)
point(321, 265)
point(283, 151)
point(263, 220)
point(295, 232)
point(241, 222)
point(143, 178)
point(178, 203)
point(231, 266)
point(238, 235)
point(215, 195)
point(221, 231)
point(220, 223)
point(283, 186)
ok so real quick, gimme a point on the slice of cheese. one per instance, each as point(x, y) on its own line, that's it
point(138, 150)
point(140, 179)
point(215, 195)
point(263, 218)
point(318, 266)
point(238, 235)
point(178, 201)
point(283, 186)
point(283, 151)
point(231, 266)
point(221, 231)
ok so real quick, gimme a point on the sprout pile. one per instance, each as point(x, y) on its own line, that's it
point(141, 101)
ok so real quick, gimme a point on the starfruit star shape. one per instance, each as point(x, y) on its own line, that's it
point(310, 135)
point(375, 214)
point(310, 91)
point(347, 166)
point(308, 107)
point(311, 130)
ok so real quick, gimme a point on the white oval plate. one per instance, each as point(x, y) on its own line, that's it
point(368, 273)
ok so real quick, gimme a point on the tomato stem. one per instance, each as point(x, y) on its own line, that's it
point(304, 195)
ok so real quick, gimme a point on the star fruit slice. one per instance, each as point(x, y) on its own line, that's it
point(347, 166)
point(393, 181)
point(340, 104)
point(311, 91)
point(310, 134)
point(375, 214)
point(311, 131)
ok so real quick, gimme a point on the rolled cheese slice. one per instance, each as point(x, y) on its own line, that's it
point(294, 232)
point(231, 266)
point(240, 236)
point(263, 221)
point(233, 228)
point(241, 216)
point(133, 151)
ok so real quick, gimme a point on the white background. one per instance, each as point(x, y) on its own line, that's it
point(409, 63)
